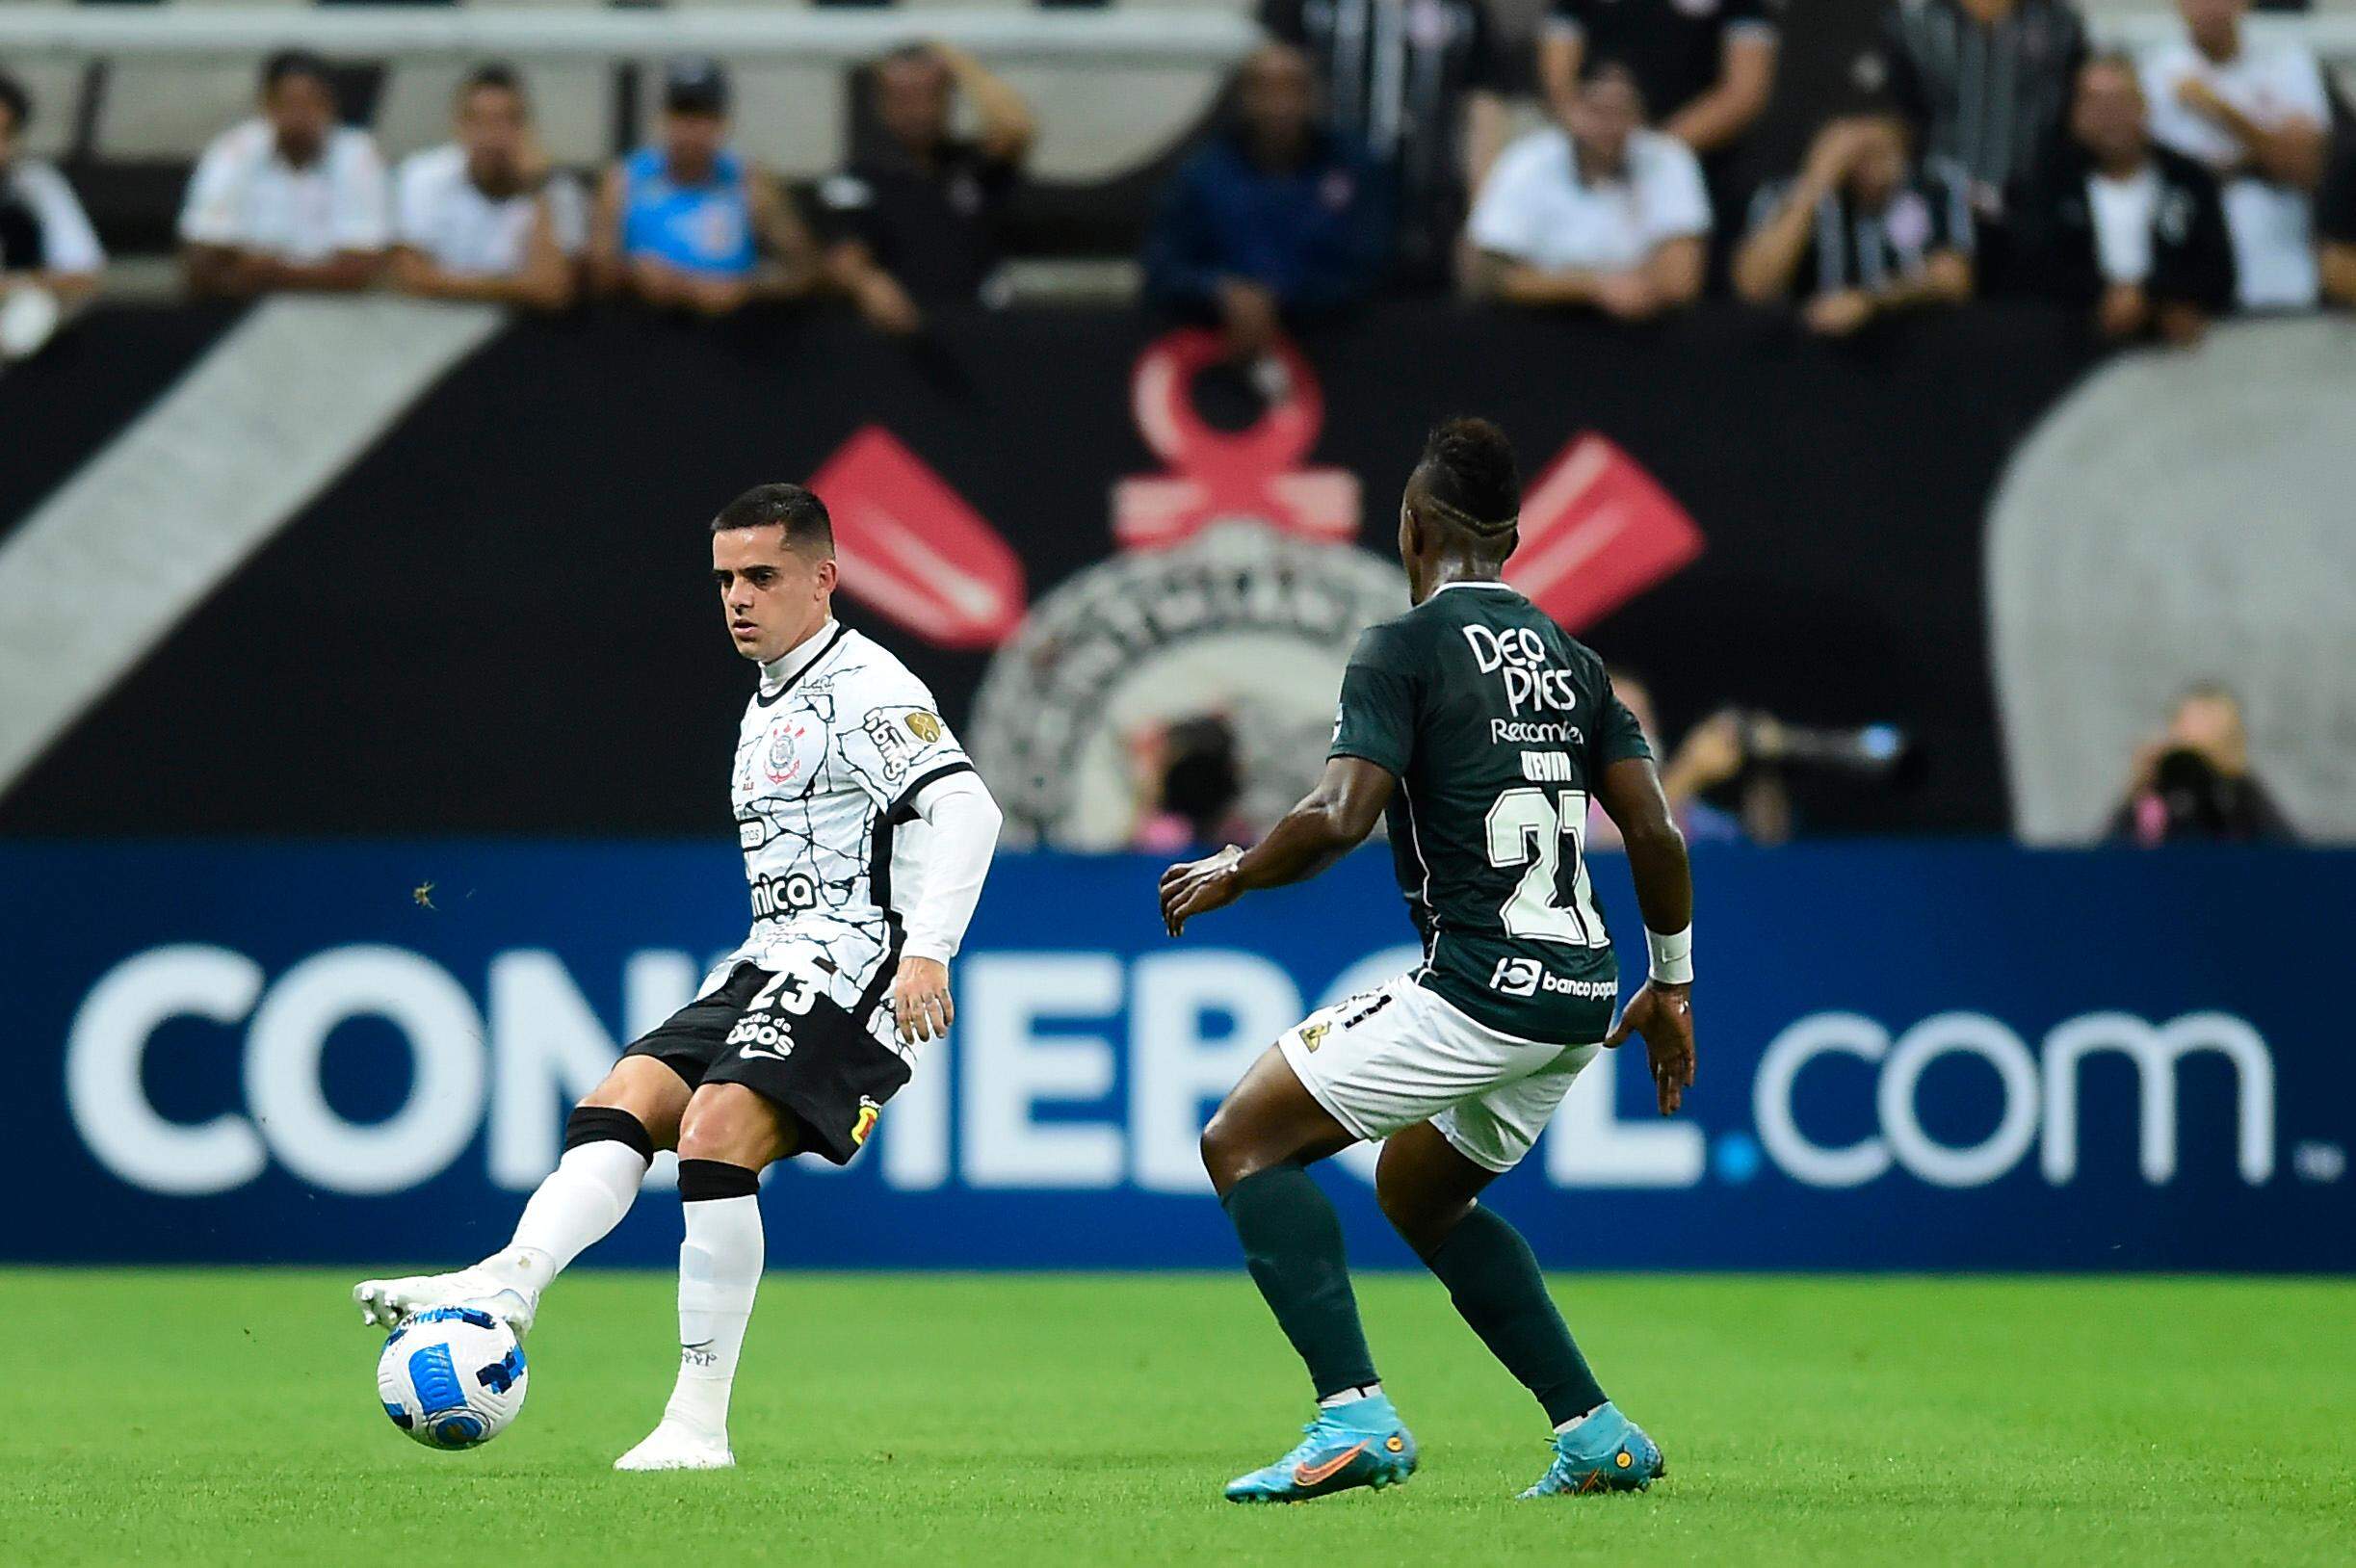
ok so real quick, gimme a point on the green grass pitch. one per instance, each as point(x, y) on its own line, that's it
point(200, 1418)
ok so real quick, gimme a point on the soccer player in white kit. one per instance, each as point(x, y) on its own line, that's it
point(867, 835)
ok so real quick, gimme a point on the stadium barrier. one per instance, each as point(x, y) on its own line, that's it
point(1920, 1058)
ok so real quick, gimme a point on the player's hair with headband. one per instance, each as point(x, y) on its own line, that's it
point(1470, 480)
point(790, 507)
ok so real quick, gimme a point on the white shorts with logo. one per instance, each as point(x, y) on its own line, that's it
point(1397, 1055)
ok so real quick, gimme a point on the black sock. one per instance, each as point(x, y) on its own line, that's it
point(1493, 1278)
point(1292, 1243)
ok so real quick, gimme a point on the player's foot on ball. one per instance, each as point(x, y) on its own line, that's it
point(677, 1445)
point(1606, 1452)
point(387, 1303)
point(1359, 1443)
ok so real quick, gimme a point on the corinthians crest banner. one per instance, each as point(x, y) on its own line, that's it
point(1076, 527)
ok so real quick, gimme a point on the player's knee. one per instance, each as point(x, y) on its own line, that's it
point(1230, 1151)
point(730, 1123)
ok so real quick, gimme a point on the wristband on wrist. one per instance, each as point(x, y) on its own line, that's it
point(1672, 957)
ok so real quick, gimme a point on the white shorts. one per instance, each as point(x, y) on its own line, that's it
point(1397, 1055)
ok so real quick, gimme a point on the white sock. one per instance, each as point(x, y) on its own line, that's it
point(720, 1269)
point(583, 1198)
point(1349, 1395)
point(1574, 1423)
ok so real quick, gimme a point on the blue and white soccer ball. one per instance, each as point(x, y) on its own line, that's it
point(453, 1378)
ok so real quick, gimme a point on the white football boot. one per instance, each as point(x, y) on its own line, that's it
point(674, 1444)
point(387, 1303)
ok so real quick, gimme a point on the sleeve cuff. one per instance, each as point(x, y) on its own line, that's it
point(917, 946)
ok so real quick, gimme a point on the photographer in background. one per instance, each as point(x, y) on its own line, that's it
point(49, 254)
point(1710, 755)
point(2193, 781)
point(1189, 782)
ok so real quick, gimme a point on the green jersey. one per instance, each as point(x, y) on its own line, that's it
point(1497, 727)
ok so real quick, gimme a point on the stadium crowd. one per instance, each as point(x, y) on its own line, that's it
point(2000, 154)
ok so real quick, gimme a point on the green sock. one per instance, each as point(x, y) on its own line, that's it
point(1493, 1278)
point(1293, 1244)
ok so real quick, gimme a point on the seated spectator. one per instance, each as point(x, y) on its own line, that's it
point(1418, 83)
point(689, 222)
point(2131, 231)
point(1277, 220)
point(288, 201)
point(2336, 228)
point(1598, 212)
point(1706, 67)
point(2256, 115)
point(482, 218)
point(1859, 233)
point(915, 225)
point(49, 254)
point(2194, 780)
point(1985, 84)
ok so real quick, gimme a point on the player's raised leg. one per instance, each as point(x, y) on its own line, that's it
point(729, 1136)
point(1257, 1148)
point(1427, 1189)
point(610, 1140)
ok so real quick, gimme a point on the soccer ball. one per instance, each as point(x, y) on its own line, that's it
point(453, 1378)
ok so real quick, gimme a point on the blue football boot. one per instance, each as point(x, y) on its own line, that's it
point(1606, 1452)
point(1359, 1443)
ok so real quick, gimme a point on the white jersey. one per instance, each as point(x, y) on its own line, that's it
point(828, 762)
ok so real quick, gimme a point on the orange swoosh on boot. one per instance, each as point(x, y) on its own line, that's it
point(1307, 1475)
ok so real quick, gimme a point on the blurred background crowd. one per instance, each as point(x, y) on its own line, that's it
point(1597, 159)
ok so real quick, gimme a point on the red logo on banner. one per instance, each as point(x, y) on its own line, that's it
point(1597, 530)
point(912, 548)
point(1214, 473)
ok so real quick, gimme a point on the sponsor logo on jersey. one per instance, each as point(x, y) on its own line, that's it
point(775, 898)
point(869, 1110)
point(751, 833)
point(894, 748)
point(1527, 976)
point(925, 726)
point(1517, 656)
point(1313, 1035)
point(1535, 732)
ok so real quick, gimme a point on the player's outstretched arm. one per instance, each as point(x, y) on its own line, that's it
point(1662, 1010)
point(1331, 820)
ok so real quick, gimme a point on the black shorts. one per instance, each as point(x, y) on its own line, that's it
point(792, 1046)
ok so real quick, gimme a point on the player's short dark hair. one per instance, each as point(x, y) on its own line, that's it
point(1470, 476)
point(496, 75)
point(288, 63)
point(17, 103)
point(791, 506)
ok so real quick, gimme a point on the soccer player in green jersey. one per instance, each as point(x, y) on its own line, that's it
point(1483, 730)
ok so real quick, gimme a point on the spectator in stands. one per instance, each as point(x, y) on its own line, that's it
point(49, 254)
point(2336, 228)
point(2256, 115)
point(2195, 781)
point(1276, 221)
point(689, 222)
point(2134, 232)
point(1599, 211)
point(1418, 83)
point(1705, 67)
point(291, 200)
point(914, 225)
point(484, 217)
point(1987, 84)
point(1860, 233)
